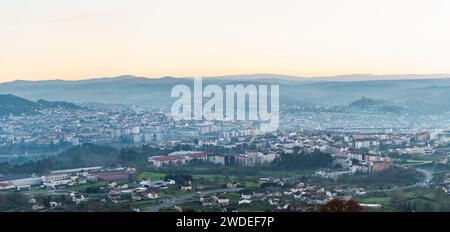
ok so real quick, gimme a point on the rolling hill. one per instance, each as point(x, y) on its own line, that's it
point(11, 104)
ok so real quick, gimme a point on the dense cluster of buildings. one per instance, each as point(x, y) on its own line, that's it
point(324, 117)
point(353, 152)
point(357, 150)
point(138, 125)
point(133, 125)
point(85, 125)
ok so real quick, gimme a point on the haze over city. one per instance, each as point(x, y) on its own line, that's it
point(199, 106)
point(49, 39)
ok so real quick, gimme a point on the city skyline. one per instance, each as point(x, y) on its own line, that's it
point(85, 39)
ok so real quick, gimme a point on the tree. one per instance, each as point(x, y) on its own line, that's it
point(295, 161)
point(440, 196)
point(397, 197)
point(13, 201)
point(180, 179)
point(93, 190)
point(428, 207)
point(386, 178)
point(408, 207)
point(217, 180)
point(338, 205)
point(129, 155)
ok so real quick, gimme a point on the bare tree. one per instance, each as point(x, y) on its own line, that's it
point(338, 205)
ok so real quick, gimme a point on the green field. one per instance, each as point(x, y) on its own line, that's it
point(208, 177)
point(143, 204)
point(426, 159)
point(150, 175)
point(421, 198)
point(234, 197)
point(285, 173)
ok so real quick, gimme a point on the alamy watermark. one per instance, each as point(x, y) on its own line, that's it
point(248, 102)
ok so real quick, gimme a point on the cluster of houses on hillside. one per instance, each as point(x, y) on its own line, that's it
point(279, 197)
point(145, 189)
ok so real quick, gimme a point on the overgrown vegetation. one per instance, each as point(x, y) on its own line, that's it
point(386, 178)
point(301, 160)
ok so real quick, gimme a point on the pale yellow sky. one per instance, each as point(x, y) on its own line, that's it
point(59, 39)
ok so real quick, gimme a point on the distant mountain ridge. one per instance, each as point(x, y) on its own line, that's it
point(372, 77)
point(256, 76)
point(423, 95)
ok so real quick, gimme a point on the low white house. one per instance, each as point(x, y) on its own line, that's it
point(223, 201)
point(244, 201)
point(152, 195)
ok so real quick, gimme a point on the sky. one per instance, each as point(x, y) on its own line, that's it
point(61, 39)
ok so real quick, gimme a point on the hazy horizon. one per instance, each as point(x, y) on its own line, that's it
point(345, 77)
point(50, 39)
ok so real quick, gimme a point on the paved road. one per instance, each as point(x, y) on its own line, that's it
point(174, 201)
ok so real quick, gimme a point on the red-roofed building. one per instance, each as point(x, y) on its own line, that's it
point(112, 175)
point(6, 186)
point(378, 166)
point(199, 156)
